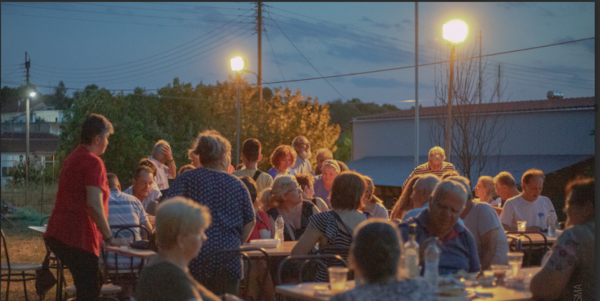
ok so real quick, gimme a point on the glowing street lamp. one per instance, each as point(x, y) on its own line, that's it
point(237, 65)
point(455, 32)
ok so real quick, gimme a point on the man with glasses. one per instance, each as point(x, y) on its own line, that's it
point(302, 147)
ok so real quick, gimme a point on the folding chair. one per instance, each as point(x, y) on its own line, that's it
point(516, 245)
point(306, 259)
point(25, 270)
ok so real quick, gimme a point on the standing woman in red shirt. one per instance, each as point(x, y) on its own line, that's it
point(78, 222)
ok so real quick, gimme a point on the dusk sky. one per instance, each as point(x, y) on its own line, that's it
point(127, 45)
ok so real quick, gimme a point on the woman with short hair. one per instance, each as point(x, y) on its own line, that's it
point(569, 272)
point(371, 203)
point(284, 198)
point(282, 159)
point(180, 234)
point(307, 182)
point(332, 230)
point(375, 258)
point(324, 181)
point(228, 200)
point(404, 203)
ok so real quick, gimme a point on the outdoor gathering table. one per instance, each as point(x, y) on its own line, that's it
point(538, 238)
point(128, 251)
point(284, 249)
point(306, 290)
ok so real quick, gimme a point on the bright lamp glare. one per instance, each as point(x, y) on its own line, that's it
point(32, 94)
point(455, 31)
point(237, 64)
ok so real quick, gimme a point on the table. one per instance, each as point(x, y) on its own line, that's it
point(306, 291)
point(538, 238)
point(284, 249)
point(143, 254)
point(38, 229)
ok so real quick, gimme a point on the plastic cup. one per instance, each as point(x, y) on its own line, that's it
point(337, 279)
point(499, 272)
point(515, 260)
point(521, 226)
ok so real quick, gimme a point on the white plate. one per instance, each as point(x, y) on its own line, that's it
point(466, 295)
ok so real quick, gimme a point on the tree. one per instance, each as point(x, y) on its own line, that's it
point(475, 136)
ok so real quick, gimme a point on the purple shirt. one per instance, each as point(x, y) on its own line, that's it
point(459, 252)
point(320, 190)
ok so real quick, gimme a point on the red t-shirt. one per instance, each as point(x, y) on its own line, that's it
point(70, 221)
point(261, 223)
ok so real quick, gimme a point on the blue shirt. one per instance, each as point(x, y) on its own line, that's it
point(274, 172)
point(230, 207)
point(125, 209)
point(302, 166)
point(458, 251)
point(320, 190)
point(415, 212)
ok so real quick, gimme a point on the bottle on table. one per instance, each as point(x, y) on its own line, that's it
point(279, 224)
point(432, 261)
point(411, 249)
point(552, 218)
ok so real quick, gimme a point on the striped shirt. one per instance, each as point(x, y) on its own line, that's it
point(424, 169)
point(124, 209)
point(339, 241)
point(153, 195)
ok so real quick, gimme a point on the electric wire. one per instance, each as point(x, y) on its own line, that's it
point(152, 9)
point(276, 61)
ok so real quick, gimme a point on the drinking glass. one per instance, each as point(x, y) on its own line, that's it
point(499, 272)
point(337, 279)
point(521, 226)
point(515, 260)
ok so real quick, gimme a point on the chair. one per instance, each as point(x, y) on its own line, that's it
point(516, 245)
point(229, 253)
point(125, 277)
point(25, 270)
point(306, 259)
point(107, 291)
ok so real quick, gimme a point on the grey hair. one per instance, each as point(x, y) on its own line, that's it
point(506, 179)
point(489, 184)
point(333, 164)
point(297, 140)
point(466, 183)
point(211, 148)
point(428, 183)
point(179, 216)
point(157, 151)
point(324, 152)
point(447, 187)
point(437, 151)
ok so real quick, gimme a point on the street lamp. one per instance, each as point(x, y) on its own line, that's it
point(237, 65)
point(455, 32)
point(31, 95)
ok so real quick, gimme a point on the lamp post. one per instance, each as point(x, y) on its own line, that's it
point(455, 32)
point(237, 65)
point(32, 94)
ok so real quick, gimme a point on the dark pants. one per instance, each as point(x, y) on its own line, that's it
point(221, 286)
point(83, 266)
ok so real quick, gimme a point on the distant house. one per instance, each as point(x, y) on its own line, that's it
point(42, 118)
point(546, 134)
point(42, 148)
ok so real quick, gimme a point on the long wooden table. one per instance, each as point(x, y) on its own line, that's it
point(284, 249)
point(306, 291)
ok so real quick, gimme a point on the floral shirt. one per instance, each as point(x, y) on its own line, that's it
point(573, 257)
point(405, 290)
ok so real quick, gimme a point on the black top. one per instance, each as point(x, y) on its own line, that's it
point(307, 211)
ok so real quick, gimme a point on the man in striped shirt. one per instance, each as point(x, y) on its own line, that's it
point(435, 165)
point(124, 209)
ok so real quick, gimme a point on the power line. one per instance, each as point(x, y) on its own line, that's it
point(152, 9)
point(429, 64)
point(309, 61)
point(276, 61)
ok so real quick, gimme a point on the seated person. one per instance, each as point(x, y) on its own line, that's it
point(146, 196)
point(185, 168)
point(421, 195)
point(251, 155)
point(569, 272)
point(283, 159)
point(332, 230)
point(262, 229)
point(124, 209)
point(307, 182)
point(485, 191)
point(506, 187)
point(371, 203)
point(458, 247)
point(483, 222)
point(530, 206)
point(324, 181)
point(404, 203)
point(285, 199)
point(374, 257)
point(180, 226)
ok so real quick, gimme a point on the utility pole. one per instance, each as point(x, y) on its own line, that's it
point(480, 66)
point(416, 84)
point(259, 77)
point(27, 64)
point(498, 84)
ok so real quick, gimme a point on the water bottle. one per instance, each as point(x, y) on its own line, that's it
point(552, 223)
point(411, 248)
point(279, 224)
point(432, 260)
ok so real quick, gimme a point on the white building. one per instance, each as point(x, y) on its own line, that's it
point(544, 134)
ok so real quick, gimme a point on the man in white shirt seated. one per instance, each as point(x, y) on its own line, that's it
point(530, 206)
point(506, 187)
point(302, 164)
point(142, 185)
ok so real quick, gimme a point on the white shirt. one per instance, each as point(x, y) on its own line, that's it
point(534, 213)
point(380, 212)
point(481, 219)
point(153, 195)
point(162, 175)
point(302, 166)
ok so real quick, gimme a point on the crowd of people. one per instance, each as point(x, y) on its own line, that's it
point(211, 206)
